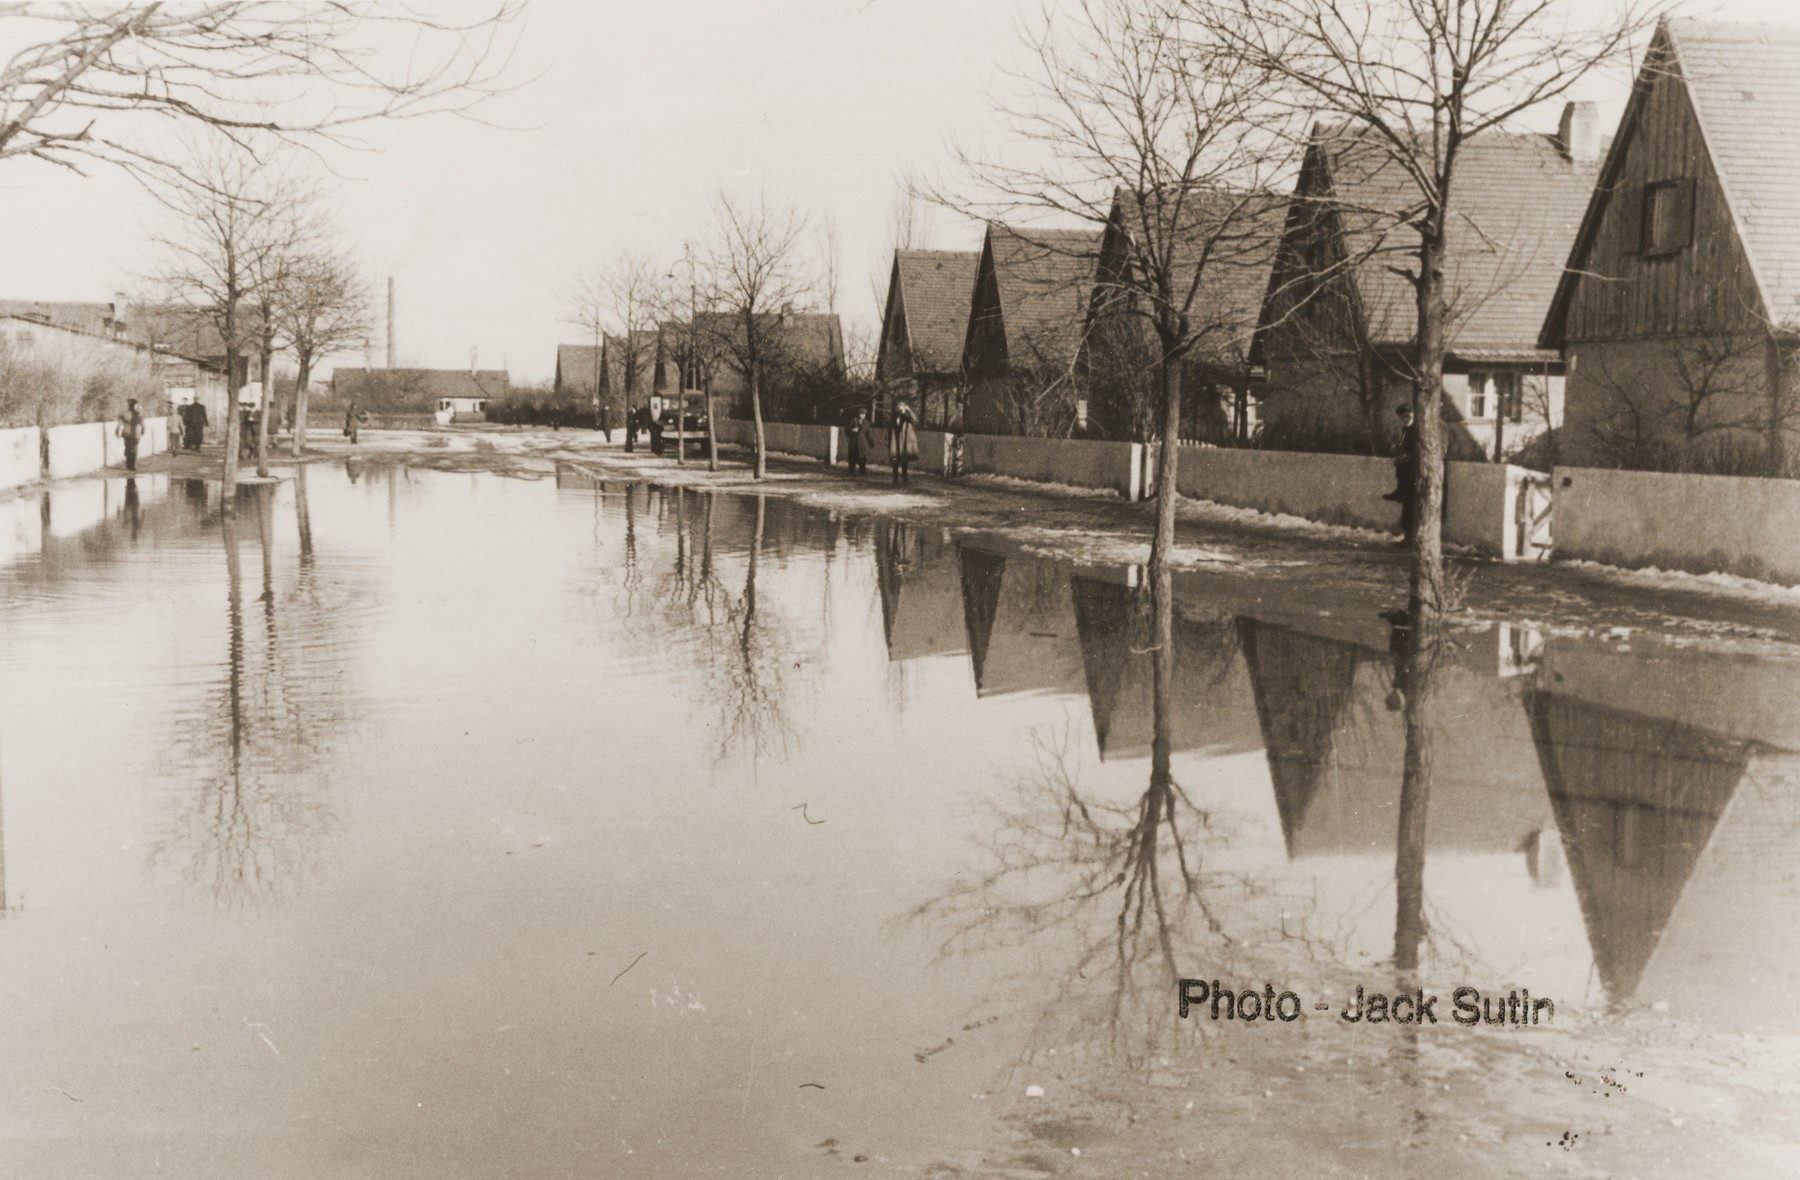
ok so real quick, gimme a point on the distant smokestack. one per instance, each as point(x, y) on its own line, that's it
point(1579, 133)
point(474, 357)
point(390, 332)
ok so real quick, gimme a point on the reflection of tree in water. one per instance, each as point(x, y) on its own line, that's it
point(737, 648)
point(1126, 883)
point(253, 811)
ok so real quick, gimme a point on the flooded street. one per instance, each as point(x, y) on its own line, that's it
point(427, 823)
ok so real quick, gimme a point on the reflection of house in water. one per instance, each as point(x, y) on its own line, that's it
point(1213, 708)
point(1336, 748)
point(921, 592)
point(1680, 816)
point(1020, 619)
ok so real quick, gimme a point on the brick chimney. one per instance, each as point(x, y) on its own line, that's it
point(1578, 136)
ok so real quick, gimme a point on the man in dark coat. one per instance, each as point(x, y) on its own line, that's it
point(656, 432)
point(903, 441)
point(859, 440)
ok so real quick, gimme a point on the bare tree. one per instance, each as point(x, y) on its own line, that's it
point(755, 276)
point(1125, 126)
point(95, 83)
point(227, 233)
point(1421, 80)
point(621, 301)
point(324, 308)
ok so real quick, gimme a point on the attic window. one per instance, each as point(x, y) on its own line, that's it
point(1668, 221)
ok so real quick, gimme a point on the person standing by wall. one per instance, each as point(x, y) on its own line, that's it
point(903, 441)
point(859, 440)
point(130, 429)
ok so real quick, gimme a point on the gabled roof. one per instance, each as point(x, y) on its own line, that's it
point(576, 366)
point(808, 338)
point(1745, 94)
point(1517, 206)
point(935, 288)
point(1044, 278)
point(1226, 239)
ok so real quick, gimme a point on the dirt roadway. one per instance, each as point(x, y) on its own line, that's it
point(1321, 571)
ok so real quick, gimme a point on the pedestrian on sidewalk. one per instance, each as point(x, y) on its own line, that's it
point(859, 440)
point(193, 424)
point(631, 430)
point(656, 432)
point(903, 441)
point(130, 429)
point(606, 423)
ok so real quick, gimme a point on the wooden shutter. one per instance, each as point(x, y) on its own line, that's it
point(1684, 214)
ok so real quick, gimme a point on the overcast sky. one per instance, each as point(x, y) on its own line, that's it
point(638, 114)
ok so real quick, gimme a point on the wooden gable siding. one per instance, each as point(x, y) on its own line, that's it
point(1312, 308)
point(984, 354)
point(1704, 287)
point(894, 360)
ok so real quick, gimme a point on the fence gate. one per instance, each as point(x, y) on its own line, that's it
point(1531, 518)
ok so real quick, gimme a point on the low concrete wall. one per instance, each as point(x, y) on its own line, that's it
point(77, 449)
point(821, 442)
point(1080, 462)
point(1479, 498)
point(1481, 507)
point(1698, 523)
point(1334, 489)
point(20, 460)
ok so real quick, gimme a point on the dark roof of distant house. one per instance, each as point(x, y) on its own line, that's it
point(432, 383)
point(1044, 278)
point(935, 291)
point(1518, 203)
point(576, 361)
point(1237, 233)
point(802, 337)
point(1745, 93)
point(95, 319)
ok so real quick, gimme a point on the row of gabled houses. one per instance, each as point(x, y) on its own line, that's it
point(1631, 300)
point(802, 365)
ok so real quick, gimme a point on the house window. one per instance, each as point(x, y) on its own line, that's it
point(1668, 223)
point(444, 404)
point(1494, 392)
point(1479, 383)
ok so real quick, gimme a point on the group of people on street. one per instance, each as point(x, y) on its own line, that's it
point(902, 440)
point(193, 424)
point(641, 419)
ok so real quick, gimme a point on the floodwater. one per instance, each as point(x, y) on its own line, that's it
point(409, 823)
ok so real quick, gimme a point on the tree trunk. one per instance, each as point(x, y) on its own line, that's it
point(228, 477)
point(1428, 385)
point(299, 440)
point(266, 356)
point(712, 433)
point(1412, 679)
point(1162, 543)
point(762, 459)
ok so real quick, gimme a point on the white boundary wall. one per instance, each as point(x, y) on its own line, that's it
point(20, 459)
point(1479, 498)
point(1082, 463)
point(76, 449)
point(1699, 523)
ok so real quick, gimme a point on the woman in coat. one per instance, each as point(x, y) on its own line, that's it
point(903, 440)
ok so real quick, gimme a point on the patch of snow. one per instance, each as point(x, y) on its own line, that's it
point(1211, 512)
point(1014, 484)
point(1713, 583)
